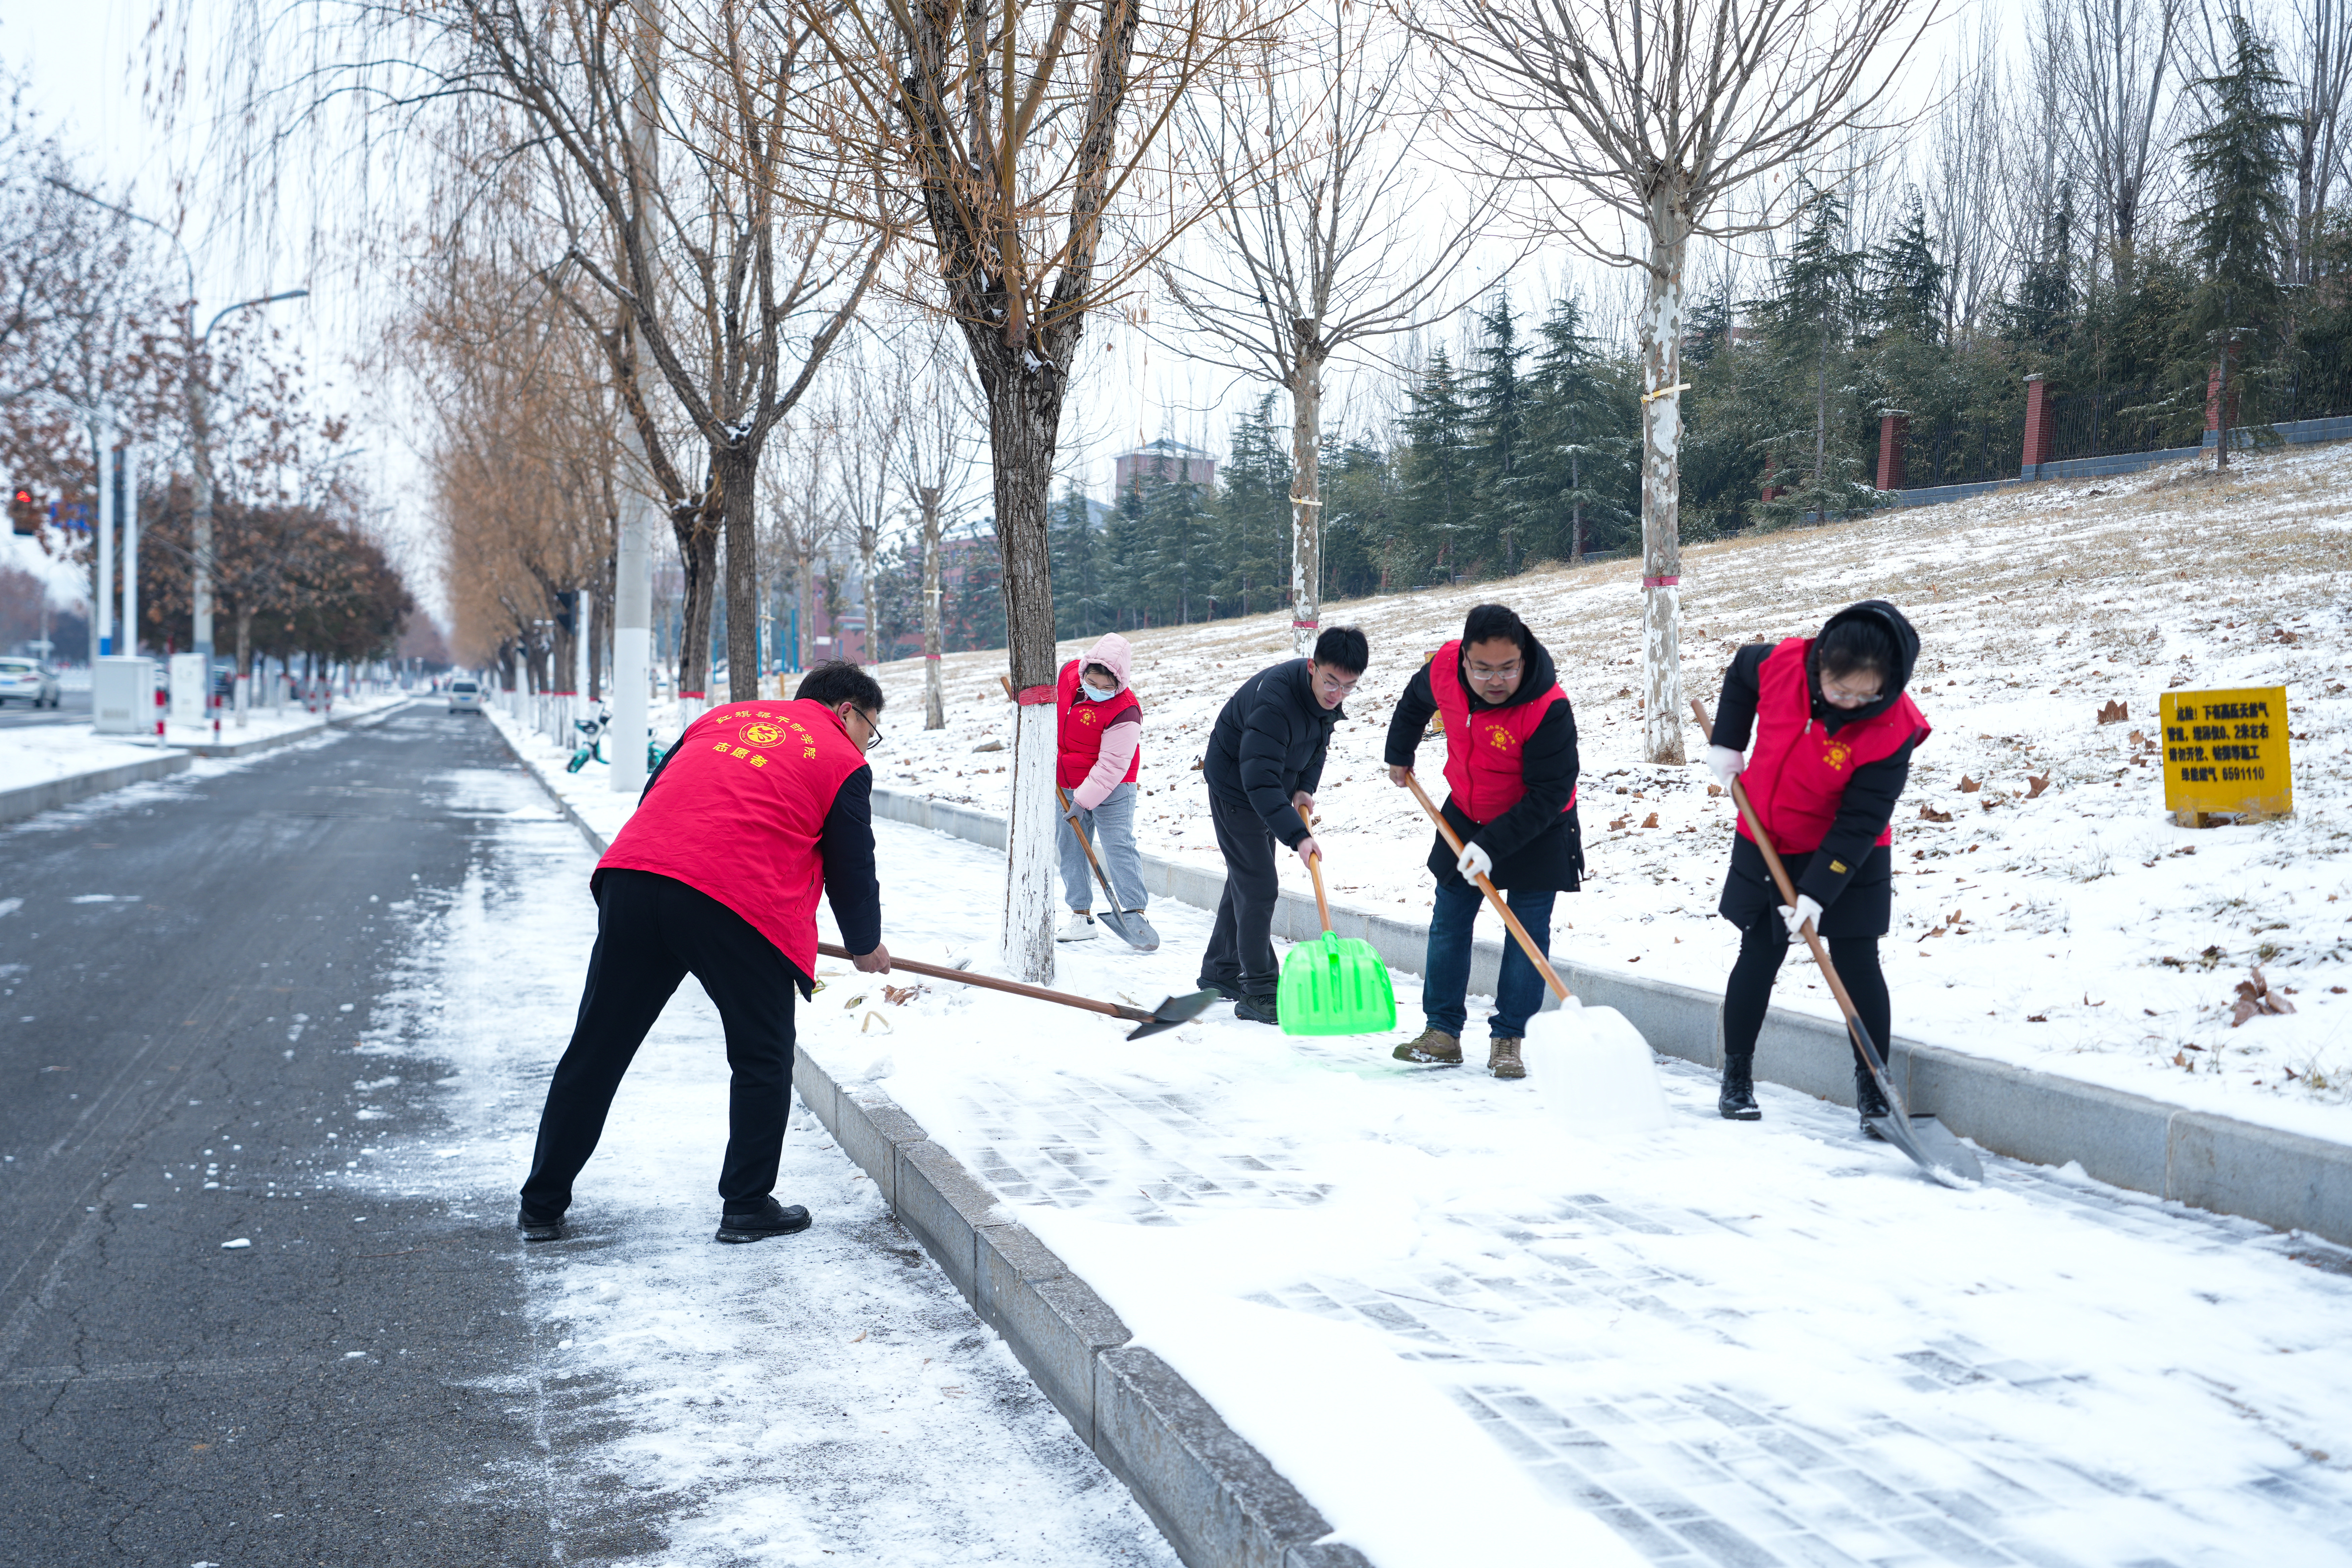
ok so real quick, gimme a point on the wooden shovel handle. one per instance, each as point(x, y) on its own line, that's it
point(990, 983)
point(1527, 943)
point(1788, 894)
point(1322, 904)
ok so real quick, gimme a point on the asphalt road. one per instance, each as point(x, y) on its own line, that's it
point(355, 1386)
point(73, 708)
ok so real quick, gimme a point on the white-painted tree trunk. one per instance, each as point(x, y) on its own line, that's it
point(1031, 861)
point(1305, 500)
point(1662, 429)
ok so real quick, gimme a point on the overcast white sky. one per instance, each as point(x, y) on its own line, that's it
point(82, 60)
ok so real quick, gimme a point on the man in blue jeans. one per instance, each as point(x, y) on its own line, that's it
point(1510, 766)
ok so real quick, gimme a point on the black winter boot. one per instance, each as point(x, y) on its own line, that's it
point(1737, 1101)
point(1868, 1100)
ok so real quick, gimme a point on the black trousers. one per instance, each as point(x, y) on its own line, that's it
point(651, 932)
point(1241, 943)
point(1763, 944)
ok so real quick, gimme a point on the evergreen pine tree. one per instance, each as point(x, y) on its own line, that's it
point(1584, 429)
point(2237, 161)
point(1178, 586)
point(1077, 553)
point(974, 611)
point(1252, 515)
point(1910, 279)
point(1128, 559)
point(1497, 399)
point(2044, 314)
point(1807, 321)
point(1435, 510)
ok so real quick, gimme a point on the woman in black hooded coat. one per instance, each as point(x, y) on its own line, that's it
point(1834, 730)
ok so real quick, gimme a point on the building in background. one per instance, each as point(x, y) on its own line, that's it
point(1167, 461)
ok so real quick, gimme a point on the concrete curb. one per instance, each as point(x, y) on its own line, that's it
point(2285, 1180)
point(1213, 1496)
point(29, 800)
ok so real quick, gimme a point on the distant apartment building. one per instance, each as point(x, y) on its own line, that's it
point(1167, 461)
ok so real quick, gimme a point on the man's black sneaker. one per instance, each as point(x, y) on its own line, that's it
point(771, 1218)
point(535, 1228)
point(1258, 1009)
point(1229, 992)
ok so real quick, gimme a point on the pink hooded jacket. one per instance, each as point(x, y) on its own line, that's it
point(1119, 742)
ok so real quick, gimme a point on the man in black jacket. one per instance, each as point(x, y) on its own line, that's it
point(1266, 759)
point(1510, 766)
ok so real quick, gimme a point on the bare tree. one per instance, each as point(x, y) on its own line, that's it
point(1018, 125)
point(1328, 233)
point(933, 454)
point(2112, 57)
point(2318, 59)
point(1651, 112)
point(1964, 188)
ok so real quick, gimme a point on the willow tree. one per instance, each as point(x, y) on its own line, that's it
point(1632, 121)
point(1018, 129)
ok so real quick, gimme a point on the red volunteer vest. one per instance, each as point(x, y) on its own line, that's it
point(738, 811)
point(1483, 750)
point(1084, 723)
point(1798, 773)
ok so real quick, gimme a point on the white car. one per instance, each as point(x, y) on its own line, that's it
point(28, 680)
point(465, 696)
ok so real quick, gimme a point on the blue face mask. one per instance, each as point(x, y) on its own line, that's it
point(1091, 695)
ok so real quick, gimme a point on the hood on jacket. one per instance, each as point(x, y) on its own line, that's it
point(1539, 677)
point(1906, 655)
point(1112, 652)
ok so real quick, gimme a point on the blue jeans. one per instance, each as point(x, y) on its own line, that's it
point(1111, 826)
point(1446, 974)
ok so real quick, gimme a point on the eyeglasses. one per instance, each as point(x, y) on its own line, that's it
point(1839, 697)
point(873, 730)
point(1331, 682)
point(1494, 671)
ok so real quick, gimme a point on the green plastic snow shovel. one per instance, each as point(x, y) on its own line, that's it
point(1334, 984)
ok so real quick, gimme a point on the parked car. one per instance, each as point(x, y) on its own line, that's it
point(28, 680)
point(465, 696)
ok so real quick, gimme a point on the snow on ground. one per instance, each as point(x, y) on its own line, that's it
point(826, 1398)
point(1455, 1330)
point(2079, 932)
point(41, 754)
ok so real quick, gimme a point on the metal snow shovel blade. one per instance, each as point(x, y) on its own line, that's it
point(1928, 1143)
point(1333, 984)
point(1591, 1065)
point(1130, 925)
point(1171, 1011)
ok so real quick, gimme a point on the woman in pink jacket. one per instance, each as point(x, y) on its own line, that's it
point(1101, 754)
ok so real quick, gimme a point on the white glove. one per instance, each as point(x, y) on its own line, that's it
point(1474, 862)
point(1726, 763)
point(1806, 910)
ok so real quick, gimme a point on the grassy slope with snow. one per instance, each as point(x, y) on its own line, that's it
point(2079, 932)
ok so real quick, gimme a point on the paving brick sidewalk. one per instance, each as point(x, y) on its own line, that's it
point(1702, 1471)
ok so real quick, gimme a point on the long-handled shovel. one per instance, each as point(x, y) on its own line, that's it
point(1170, 1013)
point(1928, 1141)
point(1592, 1064)
point(1132, 928)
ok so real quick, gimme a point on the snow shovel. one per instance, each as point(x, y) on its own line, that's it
point(1170, 1013)
point(1928, 1141)
point(1334, 984)
point(1132, 928)
point(1593, 1067)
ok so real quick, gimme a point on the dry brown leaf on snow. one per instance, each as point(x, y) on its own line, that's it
point(899, 996)
point(1651, 820)
point(2035, 786)
point(2256, 998)
point(1970, 786)
point(1930, 814)
point(2115, 712)
point(1714, 789)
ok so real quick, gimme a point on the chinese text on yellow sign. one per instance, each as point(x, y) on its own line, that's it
point(2226, 751)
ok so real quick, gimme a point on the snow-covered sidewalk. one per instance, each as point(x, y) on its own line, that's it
point(1456, 1331)
point(825, 1399)
point(47, 753)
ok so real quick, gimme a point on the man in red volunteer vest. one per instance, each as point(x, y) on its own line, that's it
point(757, 806)
point(1099, 754)
point(1834, 732)
point(1510, 764)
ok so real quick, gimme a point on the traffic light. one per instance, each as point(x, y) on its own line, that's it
point(24, 512)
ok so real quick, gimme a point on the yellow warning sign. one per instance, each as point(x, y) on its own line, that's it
point(2227, 751)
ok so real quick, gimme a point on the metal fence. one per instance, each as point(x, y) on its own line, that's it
point(1962, 449)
